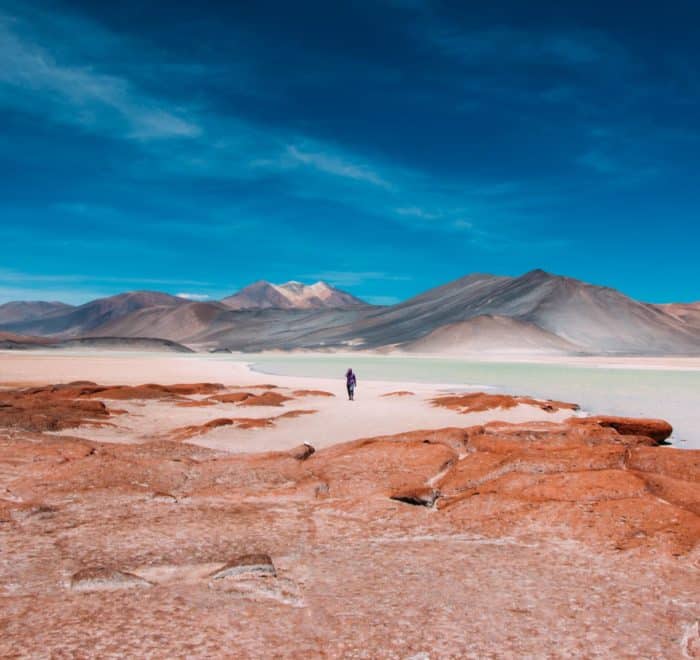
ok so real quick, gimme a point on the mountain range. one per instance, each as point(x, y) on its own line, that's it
point(536, 313)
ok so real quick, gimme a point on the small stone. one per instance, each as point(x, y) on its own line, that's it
point(105, 579)
point(164, 497)
point(302, 452)
point(260, 564)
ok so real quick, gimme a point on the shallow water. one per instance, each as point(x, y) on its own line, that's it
point(669, 394)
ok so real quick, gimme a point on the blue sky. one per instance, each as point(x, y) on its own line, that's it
point(386, 146)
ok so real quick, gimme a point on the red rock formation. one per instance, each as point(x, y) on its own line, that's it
point(264, 386)
point(259, 563)
point(266, 399)
point(251, 399)
point(153, 391)
point(197, 403)
point(656, 429)
point(245, 423)
point(301, 393)
point(543, 539)
point(105, 579)
point(230, 397)
point(399, 393)
point(480, 401)
point(88, 389)
point(40, 410)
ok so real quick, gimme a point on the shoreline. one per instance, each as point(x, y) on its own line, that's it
point(599, 386)
point(320, 419)
point(627, 362)
point(630, 362)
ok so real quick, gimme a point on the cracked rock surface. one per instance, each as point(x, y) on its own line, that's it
point(542, 539)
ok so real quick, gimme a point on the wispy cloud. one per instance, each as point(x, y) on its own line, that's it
point(416, 212)
point(187, 143)
point(198, 297)
point(352, 278)
point(332, 163)
point(80, 95)
point(13, 276)
point(76, 288)
point(34, 78)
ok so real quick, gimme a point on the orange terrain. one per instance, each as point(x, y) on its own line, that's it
point(574, 538)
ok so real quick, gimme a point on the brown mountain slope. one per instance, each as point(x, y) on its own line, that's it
point(175, 322)
point(85, 318)
point(490, 334)
point(541, 306)
point(688, 313)
point(30, 310)
point(597, 319)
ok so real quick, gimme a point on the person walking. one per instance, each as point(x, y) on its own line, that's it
point(351, 383)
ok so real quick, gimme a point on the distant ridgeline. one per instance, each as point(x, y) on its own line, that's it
point(536, 313)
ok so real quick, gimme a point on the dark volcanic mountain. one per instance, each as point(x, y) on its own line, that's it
point(291, 295)
point(213, 325)
point(21, 310)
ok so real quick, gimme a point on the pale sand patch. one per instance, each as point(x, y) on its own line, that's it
point(337, 419)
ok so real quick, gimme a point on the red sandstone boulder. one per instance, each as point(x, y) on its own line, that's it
point(656, 429)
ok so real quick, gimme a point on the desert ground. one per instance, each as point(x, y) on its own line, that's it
point(173, 506)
